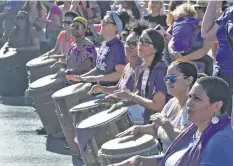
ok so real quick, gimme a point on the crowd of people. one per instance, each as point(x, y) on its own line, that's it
point(172, 60)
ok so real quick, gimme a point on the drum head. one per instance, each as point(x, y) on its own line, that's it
point(72, 89)
point(85, 106)
point(129, 144)
point(102, 118)
point(40, 61)
point(45, 81)
point(8, 54)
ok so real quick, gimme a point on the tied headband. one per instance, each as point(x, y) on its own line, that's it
point(117, 20)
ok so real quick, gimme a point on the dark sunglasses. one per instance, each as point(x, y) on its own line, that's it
point(77, 27)
point(105, 22)
point(131, 44)
point(67, 22)
point(19, 18)
point(144, 42)
point(172, 78)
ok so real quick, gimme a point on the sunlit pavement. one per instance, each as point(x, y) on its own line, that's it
point(20, 146)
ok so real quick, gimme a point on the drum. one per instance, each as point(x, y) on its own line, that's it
point(94, 131)
point(13, 76)
point(40, 67)
point(64, 99)
point(120, 149)
point(40, 92)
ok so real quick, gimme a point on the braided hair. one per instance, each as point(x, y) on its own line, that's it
point(158, 43)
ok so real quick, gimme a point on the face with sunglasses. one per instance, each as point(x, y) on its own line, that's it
point(176, 82)
point(131, 45)
point(145, 46)
point(67, 22)
point(78, 29)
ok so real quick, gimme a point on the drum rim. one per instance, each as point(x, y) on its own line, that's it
point(52, 60)
point(81, 88)
point(57, 80)
point(114, 119)
point(85, 108)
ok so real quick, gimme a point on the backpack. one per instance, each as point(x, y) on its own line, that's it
point(182, 33)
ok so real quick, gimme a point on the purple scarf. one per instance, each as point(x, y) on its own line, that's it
point(193, 155)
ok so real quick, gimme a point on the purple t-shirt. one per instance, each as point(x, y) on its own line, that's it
point(109, 55)
point(224, 55)
point(54, 10)
point(156, 84)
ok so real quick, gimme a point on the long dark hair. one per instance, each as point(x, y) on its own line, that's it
point(40, 6)
point(158, 43)
point(27, 29)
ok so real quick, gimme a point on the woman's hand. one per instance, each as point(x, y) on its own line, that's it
point(96, 89)
point(123, 95)
point(133, 161)
point(158, 119)
point(74, 78)
point(90, 79)
point(134, 130)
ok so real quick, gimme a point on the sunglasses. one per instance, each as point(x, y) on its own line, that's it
point(172, 78)
point(105, 22)
point(77, 27)
point(144, 42)
point(131, 44)
point(67, 22)
point(19, 18)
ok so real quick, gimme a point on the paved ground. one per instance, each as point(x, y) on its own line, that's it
point(19, 144)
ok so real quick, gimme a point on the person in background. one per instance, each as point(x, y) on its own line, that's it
point(131, 71)
point(82, 54)
point(151, 89)
point(181, 76)
point(130, 6)
point(53, 23)
point(104, 7)
point(23, 36)
point(208, 140)
point(220, 29)
point(156, 14)
point(111, 58)
point(37, 10)
point(10, 10)
point(64, 7)
point(65, 38)
point(91, 11)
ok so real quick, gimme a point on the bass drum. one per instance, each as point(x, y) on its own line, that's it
point(40, 67)
point(13, 75)
point(120, 149)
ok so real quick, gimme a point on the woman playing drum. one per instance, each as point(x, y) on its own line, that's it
point(179, 80)
point(209, 139)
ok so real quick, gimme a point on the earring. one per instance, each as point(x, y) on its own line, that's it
point(215, 120)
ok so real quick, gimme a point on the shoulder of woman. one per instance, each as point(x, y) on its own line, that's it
point(161, 65)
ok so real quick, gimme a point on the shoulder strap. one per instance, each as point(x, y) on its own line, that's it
point(230, 42)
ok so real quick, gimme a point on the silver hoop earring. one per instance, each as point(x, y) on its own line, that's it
point(215, 120)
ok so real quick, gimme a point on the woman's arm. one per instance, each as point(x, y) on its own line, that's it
point(156, 105)
point(54, 50)
point(170, 130)
point(209, 27)
point(92, 72)
point(199, 53)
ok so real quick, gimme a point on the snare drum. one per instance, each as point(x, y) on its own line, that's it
point(40, 67)
point(40, 92)
point(98, 129)
point(120, 149)
point(64, 100)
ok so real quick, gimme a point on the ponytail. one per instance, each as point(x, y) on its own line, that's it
point(157, 58)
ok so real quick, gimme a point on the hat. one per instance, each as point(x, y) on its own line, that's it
point(82, 21)
point(201, 3)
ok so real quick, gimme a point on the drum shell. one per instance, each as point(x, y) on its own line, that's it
point(63, 105)
point(36, 72)
point(13, 72)
point(48, 117)
point(109, 131)
point(108, 157)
